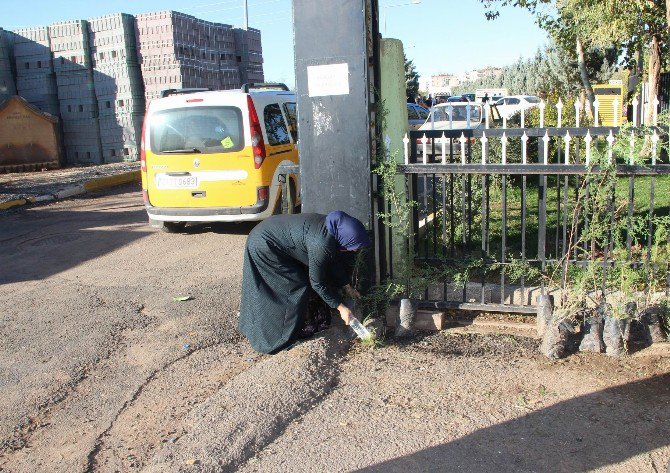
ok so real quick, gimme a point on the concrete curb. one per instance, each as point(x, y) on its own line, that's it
point(92, 185)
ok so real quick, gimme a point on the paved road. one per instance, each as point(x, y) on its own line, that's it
point(94, 349)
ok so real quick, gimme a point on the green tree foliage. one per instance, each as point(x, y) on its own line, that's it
point(551, 72)
point(411, 80)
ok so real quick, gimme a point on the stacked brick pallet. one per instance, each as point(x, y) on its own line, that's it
point(78, 104)
point(35, 78)
point(117, 80)
point(180, 51)
point(249, 55)
point(7, 84)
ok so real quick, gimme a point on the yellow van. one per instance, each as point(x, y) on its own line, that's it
point(213, 156)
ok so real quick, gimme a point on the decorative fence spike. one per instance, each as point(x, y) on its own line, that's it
point(559, 110)
point(654, 147)
point(443, 145)
point(635, 103)
point(541, 107)
point(615, 111)
point(610, 147)
point(462, 139)
point(405, 142)
point(424, 148)
point(567, 139)
point(484, 140)
point(524, 148)
point(546, 138)
point(587, 140)
point(503, 142)
point(577, 108)
point(656, 103)
point(596, 105)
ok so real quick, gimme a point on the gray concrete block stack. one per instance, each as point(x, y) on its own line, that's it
point(35, 78)
point(78, 104)
point(249, 55)
point(118, 84)
point(180, 51)
point(7, 83)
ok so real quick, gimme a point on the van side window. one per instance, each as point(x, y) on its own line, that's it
point(290, 110)
point(275, 127)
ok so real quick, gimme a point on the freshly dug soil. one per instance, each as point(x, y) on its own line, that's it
point(444, 344)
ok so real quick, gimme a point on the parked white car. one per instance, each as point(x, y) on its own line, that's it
point(453, 116)
point(512, 104)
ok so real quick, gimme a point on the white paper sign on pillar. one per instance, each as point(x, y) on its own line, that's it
point(329, 79)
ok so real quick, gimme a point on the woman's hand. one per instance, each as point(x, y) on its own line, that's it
point(345, 313)
point(351, 292)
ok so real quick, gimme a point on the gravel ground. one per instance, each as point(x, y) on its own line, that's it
point(31, 184)
point(101, 370)
point(481, 403)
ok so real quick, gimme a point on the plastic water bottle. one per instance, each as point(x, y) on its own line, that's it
point(359, 328)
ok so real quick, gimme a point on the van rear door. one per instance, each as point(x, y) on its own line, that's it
point(197, 157)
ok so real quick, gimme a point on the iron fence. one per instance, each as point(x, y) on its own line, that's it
point(503, 196)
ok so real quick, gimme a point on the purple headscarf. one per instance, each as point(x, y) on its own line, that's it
point(348, 231)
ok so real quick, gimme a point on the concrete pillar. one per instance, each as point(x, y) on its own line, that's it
point(393, 96)
point(333, 85)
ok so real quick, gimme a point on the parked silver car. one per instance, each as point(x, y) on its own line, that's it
point(416, 115)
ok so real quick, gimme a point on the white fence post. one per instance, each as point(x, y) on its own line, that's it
point(405, 142)
point(577, 107)
point(503, 141)
point(635, 104)
point(524, 148)
point(484, 140)
point(424, 148)
point(610, 147)
point(654, 147)
point(443, 145)
point(567, 139)
point(596, 104)
point(546, 147)
point(587, 140)
point(559, 109)
point(462, 139)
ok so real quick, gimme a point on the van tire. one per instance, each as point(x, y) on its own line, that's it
point(173, 227)
point(281, 207)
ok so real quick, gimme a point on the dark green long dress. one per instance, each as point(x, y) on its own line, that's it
point(285, 256)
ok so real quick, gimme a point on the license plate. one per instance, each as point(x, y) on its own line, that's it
point(176, 182)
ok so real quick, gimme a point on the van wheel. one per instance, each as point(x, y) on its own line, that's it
point(285, 205)
point(173, 227)
point(282, 207)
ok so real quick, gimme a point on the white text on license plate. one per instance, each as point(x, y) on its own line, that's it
point(177, 182)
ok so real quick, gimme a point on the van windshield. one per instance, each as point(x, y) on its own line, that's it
point(197, 129)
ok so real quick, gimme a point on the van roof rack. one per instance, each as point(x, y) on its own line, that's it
point(263, 85)
point(168, 92)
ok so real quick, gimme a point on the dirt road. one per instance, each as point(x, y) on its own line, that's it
point(101, 370)
point(94, 349)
